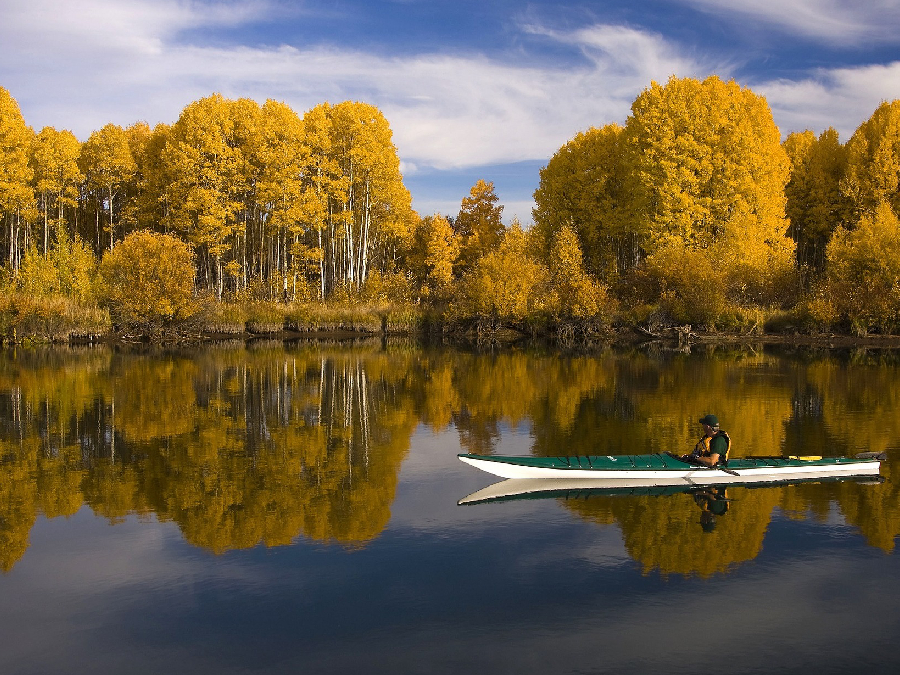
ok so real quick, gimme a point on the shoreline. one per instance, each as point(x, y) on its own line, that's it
point(625, 337)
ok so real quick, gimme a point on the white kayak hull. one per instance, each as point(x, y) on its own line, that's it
point(691, 474)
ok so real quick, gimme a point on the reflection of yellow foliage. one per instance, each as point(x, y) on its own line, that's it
point(242, 447)
point(18, 494)
point(155, 398)
point(664, 533)
point(59, 483)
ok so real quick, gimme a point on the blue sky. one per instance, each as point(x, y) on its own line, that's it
point(472, 89)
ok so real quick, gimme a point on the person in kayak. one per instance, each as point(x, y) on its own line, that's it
point(712, 448)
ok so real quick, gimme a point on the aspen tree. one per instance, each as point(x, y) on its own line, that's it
point(282, 157)
point(54, 161)
point(16, 197)
point(479, 224)
point(863, 271)
point(108, 165)
point(709, 172)
point(585, 187)
point(873, 161)
point(435, 250)
point(815, 205)
point(207, 182)
point(370, 215)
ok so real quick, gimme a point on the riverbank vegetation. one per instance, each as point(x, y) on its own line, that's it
point(244, 218)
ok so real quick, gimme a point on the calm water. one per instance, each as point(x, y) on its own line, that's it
point(293, 509)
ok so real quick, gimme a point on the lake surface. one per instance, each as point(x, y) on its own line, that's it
point(293, 508)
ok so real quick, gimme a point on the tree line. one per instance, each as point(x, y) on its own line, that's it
point(694, 211)
point(261, 194)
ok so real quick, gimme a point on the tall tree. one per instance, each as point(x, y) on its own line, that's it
point(708, 158)
point(479, 224)
point(374, 215)
point(208, 182)
point(709, 173)
point(584, 187)
point(54, 161)
point(873, 161)
point(16, 197)
point(435, 250)
point(815, 205)
point(282, 157)
point(325, 186)
point(108, 166)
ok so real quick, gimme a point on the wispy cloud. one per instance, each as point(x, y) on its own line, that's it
point(841, 22)
point(100, 61)
point(446, 110)
point(842, 98)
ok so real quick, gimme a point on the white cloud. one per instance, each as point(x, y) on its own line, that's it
point(82, 65)
point(842, 98)
point(122, 61)
point(842, 22)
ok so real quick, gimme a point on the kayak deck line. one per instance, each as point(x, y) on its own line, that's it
point(661, 466)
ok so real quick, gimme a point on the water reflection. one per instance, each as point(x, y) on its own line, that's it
point(681, 529)
point(264, 445)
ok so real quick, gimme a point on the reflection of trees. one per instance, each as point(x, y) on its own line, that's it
point(242, 446)
point(664, 532)
point(237, 447)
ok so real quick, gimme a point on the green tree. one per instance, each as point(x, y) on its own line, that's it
point(147, 282)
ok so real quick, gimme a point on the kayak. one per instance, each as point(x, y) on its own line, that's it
point(662, 468)
point(514, 489)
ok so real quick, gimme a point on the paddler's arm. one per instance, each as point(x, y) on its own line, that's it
point(712, 460)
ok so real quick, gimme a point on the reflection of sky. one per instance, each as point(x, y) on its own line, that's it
point(523, 587)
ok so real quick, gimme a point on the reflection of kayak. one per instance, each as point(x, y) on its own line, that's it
point(568, 488)
point(663, 469)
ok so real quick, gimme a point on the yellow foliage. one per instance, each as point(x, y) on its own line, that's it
point(585, 187)
point(436, 248)
point(478, 224)
point(863, 272)
point(508, 284)
point(148, 281)
point(815, 205)
point(873, 161)
point(573, 294)
point(15, 141)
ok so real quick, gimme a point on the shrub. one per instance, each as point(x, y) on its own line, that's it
point(147, 283)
